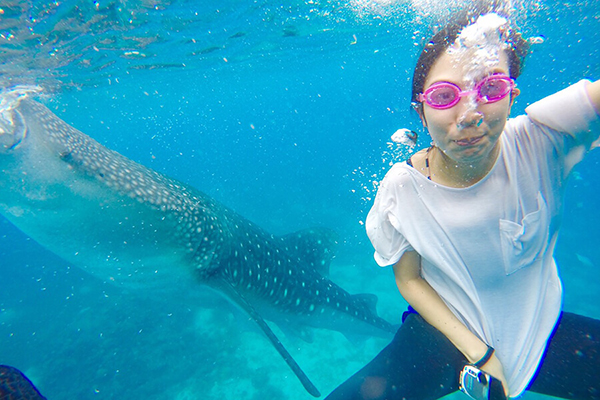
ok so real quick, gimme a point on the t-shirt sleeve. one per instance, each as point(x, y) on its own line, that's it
point(568, 118)
point(383, 227)
point(569, 111)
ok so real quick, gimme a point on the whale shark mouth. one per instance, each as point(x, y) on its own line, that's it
point(12, 126)
point(12, 129)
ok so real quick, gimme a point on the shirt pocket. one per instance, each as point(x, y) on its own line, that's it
point(523, 243)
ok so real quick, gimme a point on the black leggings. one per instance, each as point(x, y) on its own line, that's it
point(422, 364)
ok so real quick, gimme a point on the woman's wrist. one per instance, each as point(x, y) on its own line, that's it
point(486, 357)
point(476, 352)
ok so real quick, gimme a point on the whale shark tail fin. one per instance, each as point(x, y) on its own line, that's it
point(14, 385)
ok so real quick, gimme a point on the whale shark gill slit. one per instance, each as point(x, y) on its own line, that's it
point(137, 228)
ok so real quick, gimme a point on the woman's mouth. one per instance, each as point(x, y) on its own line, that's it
point(468, 142)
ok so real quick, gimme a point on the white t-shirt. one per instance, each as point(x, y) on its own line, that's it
point(487, 249)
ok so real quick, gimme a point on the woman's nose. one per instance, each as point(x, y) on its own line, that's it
point(469, 118)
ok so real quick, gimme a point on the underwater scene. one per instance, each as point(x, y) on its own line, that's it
point(281, 113)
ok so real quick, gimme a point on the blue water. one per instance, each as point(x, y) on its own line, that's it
point(281, 111)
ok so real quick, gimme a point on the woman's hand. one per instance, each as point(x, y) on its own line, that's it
point(494, 368)
point(425, 300)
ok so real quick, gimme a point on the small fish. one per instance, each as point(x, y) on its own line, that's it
point(209, 50)
point(103, 66)
point(290, 31)
point(156, 66)
point(584, 260)
point(237, 35)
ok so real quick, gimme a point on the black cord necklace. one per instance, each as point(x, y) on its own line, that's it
point(427, 162)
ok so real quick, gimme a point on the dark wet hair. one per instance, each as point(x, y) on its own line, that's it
point(517, 50)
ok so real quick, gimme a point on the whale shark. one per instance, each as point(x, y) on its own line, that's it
point(136, 228)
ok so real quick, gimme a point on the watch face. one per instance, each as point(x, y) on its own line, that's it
point(474, 383)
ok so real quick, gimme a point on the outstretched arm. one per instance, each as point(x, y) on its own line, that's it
point(425, 300)
point(593, 90)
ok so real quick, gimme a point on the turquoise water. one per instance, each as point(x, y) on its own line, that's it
point(282, 112)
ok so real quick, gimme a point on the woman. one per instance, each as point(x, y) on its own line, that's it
point(470, 225)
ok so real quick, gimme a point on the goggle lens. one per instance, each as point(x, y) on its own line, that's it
point(495, 89)
point(444, 95)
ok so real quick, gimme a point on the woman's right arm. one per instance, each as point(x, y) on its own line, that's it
point(425, 300)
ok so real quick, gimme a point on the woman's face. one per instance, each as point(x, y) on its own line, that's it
point(468, 132)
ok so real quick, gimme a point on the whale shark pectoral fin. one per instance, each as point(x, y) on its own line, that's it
point(314, 246)
point(368, 300)
point(235, 296)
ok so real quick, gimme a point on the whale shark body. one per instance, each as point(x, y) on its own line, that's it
point(137, 228)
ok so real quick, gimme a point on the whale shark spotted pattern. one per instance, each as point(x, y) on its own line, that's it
point(130, 225)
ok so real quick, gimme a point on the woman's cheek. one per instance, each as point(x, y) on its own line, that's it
point(496, 120)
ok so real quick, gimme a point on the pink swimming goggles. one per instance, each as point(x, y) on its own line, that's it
point(442, 95)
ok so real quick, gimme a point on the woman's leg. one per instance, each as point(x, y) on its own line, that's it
point(571, 366)
point(419, 364)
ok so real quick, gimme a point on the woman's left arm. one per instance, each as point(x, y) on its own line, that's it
point(593, 90)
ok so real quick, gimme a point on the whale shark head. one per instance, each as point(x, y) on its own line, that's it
point(56, 179)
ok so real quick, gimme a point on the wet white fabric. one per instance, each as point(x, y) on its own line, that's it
point(488, 249)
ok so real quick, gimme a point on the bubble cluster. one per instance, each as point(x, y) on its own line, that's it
point(402, 145)
point(480, 44)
